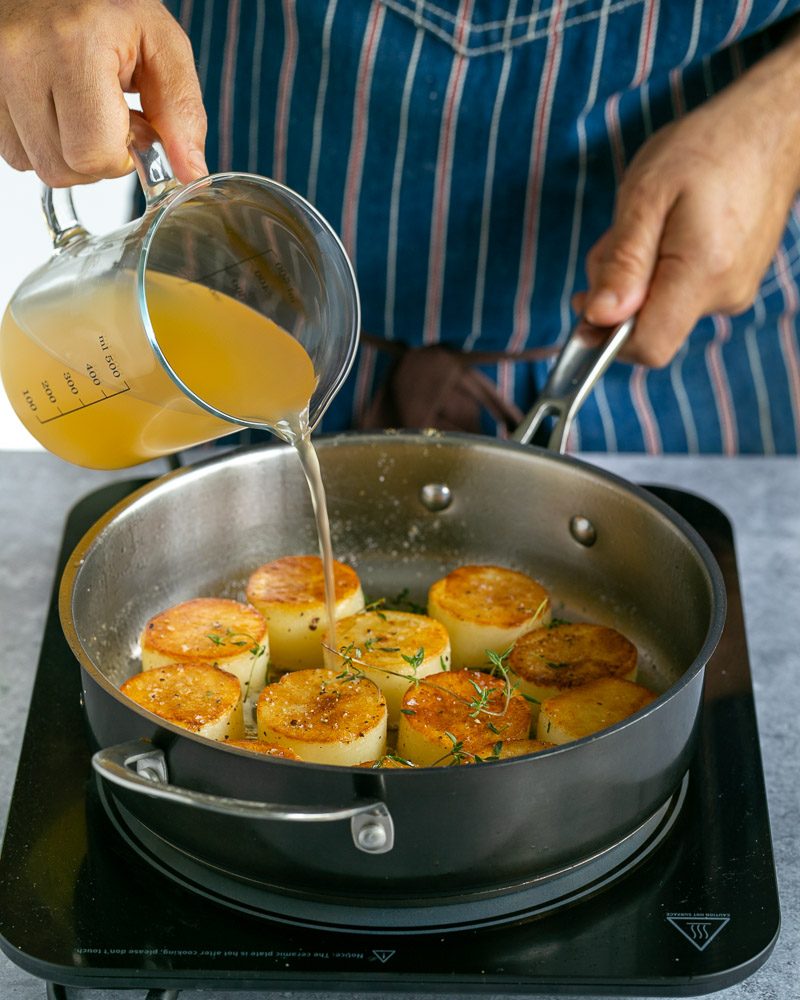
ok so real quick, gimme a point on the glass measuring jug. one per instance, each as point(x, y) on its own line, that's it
point(231, 301)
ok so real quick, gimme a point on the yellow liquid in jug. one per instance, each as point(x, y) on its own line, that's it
point(96, 399)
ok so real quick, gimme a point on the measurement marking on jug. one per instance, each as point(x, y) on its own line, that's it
point(699, 929)
point(81, 405)
point(280, 269)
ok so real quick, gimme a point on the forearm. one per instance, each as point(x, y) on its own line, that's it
point(701, 210)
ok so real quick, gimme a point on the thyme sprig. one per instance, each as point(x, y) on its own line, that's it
point(241, 639)
point(351, 670)
point(415, 661)
point(400, 602)
point(228, 639)
point(456, 754)
point(392, 758)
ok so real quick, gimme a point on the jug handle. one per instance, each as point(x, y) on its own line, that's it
point(155, 176)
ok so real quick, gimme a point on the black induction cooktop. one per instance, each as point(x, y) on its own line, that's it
point(79, 907)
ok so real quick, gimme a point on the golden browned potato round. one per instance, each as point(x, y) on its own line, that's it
point(213, 630)
point(474, 708)
point(324, 719)
point(290, 594)
point(486, 608)
point(195, 696)
point(549, 661)
point(590, 708)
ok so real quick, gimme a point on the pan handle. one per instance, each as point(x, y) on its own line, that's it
point(140, 767)
point(586, 354)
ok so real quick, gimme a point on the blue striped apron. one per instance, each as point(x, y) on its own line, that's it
point(468, 151)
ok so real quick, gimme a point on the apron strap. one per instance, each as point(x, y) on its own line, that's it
point(442, 388)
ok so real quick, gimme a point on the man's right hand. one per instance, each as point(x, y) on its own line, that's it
point(65, 66)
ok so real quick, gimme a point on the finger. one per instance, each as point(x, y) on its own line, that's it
point(36, 126)
point(92, 117)
point(595, 256)
point(11, 149)
point(578, 302)
point(172, 101)
point(676, 300)
point(621, 270)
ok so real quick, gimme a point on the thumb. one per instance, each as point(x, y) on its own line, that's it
point(171, 99)
point(621, 264)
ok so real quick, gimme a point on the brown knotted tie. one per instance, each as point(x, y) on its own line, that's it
point(442, 388)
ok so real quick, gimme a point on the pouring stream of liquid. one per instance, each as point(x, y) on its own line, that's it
point(296, 432)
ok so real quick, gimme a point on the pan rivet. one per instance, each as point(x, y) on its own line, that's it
point(582, 530)
point(150, 773)
point(436, 496)
point(371, 837)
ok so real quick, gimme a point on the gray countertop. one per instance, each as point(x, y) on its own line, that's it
point(760, 496)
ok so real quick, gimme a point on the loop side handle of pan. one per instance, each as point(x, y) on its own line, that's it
point(140, 767)
point(586, 354)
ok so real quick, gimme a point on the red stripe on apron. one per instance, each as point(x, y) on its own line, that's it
point(285, 87)
point(444, 170)
point(644, 411)
point(226, 94)
point(541, 129)
point(611, 115)
point(788, 336)
point(352, 190)
point(647, 41)
point(720, 385)
point(743, 11)
point(355, 166)
point(186, 14)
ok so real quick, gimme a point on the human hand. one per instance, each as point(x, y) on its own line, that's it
point(65, 66)
point(700, 213)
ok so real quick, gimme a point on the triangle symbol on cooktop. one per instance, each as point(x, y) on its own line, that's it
point(382, 955)
point(699, 929)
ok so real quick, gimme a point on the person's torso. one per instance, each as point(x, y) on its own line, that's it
point(468, 154)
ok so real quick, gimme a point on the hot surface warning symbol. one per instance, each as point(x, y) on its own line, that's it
point(699, 929)
point(382, 955)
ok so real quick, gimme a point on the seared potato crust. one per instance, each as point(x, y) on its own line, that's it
point(486, 608)
point(500, 750)
point(324, 719)
point(391, 648)
point(290, 594)
point(475, 708)
point(549, 661)
point(267, 749)
point(195, 696)
point(590, 708)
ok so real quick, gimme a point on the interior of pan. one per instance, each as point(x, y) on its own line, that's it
point(203, 530)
